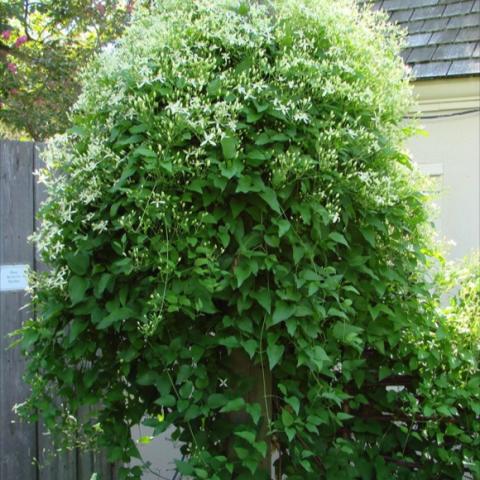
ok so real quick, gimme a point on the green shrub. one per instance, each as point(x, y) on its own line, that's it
point(233, 208)
point(449, 391)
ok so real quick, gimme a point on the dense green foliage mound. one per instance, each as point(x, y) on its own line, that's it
point(234, 197)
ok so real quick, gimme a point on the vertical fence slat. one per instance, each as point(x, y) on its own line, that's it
point(84, 465)
point(22, 444)
point(52, 465)
point(18, 444)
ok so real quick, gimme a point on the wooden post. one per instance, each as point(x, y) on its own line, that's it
point(261, 393)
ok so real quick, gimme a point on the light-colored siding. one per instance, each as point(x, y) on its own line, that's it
point(452, 151)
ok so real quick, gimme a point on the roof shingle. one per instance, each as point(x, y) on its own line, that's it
point(443, 35)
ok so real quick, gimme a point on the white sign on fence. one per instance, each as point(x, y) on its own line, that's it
point(13, 278)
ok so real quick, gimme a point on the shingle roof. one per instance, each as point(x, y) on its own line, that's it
point(443, 35)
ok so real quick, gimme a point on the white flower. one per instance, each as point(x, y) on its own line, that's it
point(100, 226)
point(302, 117)
point(209, 139)
point(175, 108)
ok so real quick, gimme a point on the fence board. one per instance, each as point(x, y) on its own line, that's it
point(21, 444)
point(52, 465)
point(18, 444)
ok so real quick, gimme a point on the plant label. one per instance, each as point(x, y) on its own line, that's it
point(13, 278)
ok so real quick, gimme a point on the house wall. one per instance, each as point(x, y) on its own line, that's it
point(451, 153)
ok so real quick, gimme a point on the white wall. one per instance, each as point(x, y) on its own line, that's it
point(161, 452)
point(452, 150)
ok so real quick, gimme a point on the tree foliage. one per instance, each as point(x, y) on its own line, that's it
point(235, 183)
point(43, 46)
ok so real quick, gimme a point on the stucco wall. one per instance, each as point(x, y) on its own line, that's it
point(451, 151)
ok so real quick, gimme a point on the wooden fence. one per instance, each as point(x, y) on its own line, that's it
point(25, 450)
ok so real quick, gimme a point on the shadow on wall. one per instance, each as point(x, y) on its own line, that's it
point(161, 452)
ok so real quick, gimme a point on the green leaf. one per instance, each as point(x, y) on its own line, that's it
point(292, 324)
point(144, 152)
point(224, 236)
point(270, 197)
point(201, 473)
point(280, 137)
point(76, 328)
point(383, 372)
point(244, 65)
point(77, 286)
point(256, 156)
point(29, 336)
point(274, 354)
point(261, 448)
point(244, 8)
point(427, 411)
point(166, 401)
point(229, 342)
point(253, 116)
point(78, 130)
point(115, 454)
point(452, 430)
point(237, 206)
point(229, 147)
point(128, 140)
point(444, 410)
point(242, 272)
point(369, 236)
point(247, 436)
point(231, 169)
point(287, 419)
point(250, 346)
point(185, 390)
point(127, 173)
point(250, 183)
point(298, 253)
point(78, 262)
point(184, 468)
point(234, 405)
point(294, 402)
point(167, 166)
point(264, 298)
point(163, 384)
point(138, 128)
point(345, 332)
point(213, 87)
point(242, 453)
point(148, 377)
point(282, 312)
point(255, 411)
point(283, 227)
point(263, 138)
point(338, 238)
point(319, 356)
point(117, 315)
point(216, 400)
point(102, 284)
point(193, 411)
